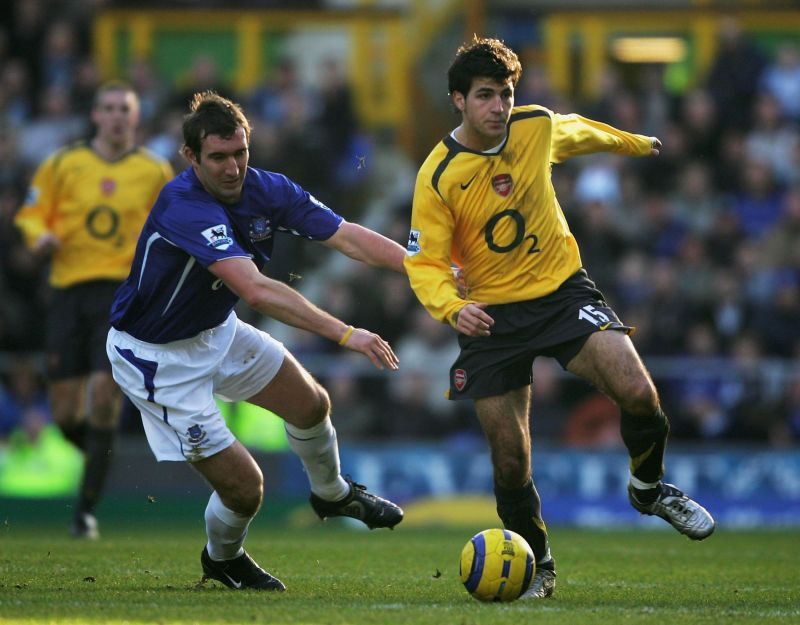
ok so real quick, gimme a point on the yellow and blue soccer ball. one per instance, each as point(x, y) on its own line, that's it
point(496, 565)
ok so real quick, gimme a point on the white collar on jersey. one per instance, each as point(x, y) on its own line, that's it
point(493, 150)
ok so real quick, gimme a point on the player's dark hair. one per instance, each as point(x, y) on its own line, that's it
point(482, 58)
point(211, 114)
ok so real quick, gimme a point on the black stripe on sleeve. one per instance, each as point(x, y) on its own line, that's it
point(451, 153)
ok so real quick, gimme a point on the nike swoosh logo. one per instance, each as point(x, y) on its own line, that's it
point(235, 584)
point(469, 182)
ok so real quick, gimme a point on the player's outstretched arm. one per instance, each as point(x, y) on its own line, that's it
point(368, 246)
point(281, 302)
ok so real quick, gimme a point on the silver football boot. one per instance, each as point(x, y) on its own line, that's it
point(542, 585)
point(684, 514)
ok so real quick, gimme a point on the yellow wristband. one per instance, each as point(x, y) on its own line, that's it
point(347, 334)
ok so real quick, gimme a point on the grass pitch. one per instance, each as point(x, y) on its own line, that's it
point(335, 575)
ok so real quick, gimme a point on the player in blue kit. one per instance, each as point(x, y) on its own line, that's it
point(176, 343)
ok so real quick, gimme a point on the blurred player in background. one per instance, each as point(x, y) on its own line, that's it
point(84, 211)
point(176, 342)
point(484, 200)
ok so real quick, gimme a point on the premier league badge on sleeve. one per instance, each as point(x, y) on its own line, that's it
point(413, 243)
point(217, 237)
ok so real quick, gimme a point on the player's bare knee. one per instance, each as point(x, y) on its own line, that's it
point(246, 497)
point(319, 410)
point(640, 398)
point(511, 470)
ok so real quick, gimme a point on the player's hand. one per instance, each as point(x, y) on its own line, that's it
point(46, 243)
point(655, 146)
point(461, 283)
point(374, 348)
point(474, 321)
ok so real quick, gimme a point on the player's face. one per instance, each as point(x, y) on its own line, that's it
point(223, 165)
point(485, 111)
point(116, 115)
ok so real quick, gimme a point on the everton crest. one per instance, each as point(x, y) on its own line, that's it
point(259, 229)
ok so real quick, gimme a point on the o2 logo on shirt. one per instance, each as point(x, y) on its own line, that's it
point(217, 237)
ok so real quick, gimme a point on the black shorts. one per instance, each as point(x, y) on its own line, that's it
point(77, 326)
point(556, 325)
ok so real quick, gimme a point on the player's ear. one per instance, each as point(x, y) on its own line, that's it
point(187, 153)
point(458, 100)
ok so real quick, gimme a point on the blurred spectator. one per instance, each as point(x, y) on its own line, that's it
point(598, 179)
point(662, 231)
point(757, 204)
point(731, 312)
point(753, 414)
point(427, 351)
point(694, 200)
point(203, 75)
point(24, 399)
point(728, 165)
point(724, 238)
point(535, 88)
point(601, 243)
point(772, 140)
point(13, 175)
point(701, 125)
point(594, 423)
point(734, 75)
point(776, 321)
point(668, 315)
point(57, 125)
point(26, 37)
point(153, 93)
point(16, 103)
point(355, 418)
point(84, 85)
point(781, 79)
point(787, 428)
point(337, 117)
point(59, 56)
point(697, 274)
point(780, 247)
point(548, 405)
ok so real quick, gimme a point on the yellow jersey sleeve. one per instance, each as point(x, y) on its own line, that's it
point(429, 253)
point(35, 218)
point(574, 135)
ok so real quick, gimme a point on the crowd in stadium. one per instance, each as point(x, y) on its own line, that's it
point(698, 248)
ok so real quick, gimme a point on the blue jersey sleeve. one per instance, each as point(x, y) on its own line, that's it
point(202, 229)
point(297, 211)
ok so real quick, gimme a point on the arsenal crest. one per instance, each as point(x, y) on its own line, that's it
point(459, 379)
point(502, 184)
point(107, 186)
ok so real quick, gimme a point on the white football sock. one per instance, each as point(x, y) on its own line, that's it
point(640, 485)
point(225, 528)
point(319, 453)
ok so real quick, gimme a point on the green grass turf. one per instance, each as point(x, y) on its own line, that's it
point(336, 574)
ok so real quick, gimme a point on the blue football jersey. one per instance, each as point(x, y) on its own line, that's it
point(170, 294)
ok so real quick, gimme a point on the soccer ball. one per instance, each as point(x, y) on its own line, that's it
point(496, 565)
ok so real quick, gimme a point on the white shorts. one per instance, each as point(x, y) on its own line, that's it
point(173, 384)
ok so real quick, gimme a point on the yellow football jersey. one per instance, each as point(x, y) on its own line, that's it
point(96, 208)
point(496, 214)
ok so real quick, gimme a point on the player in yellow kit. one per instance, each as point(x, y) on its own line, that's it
point(85, 207)
point(484, 201)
